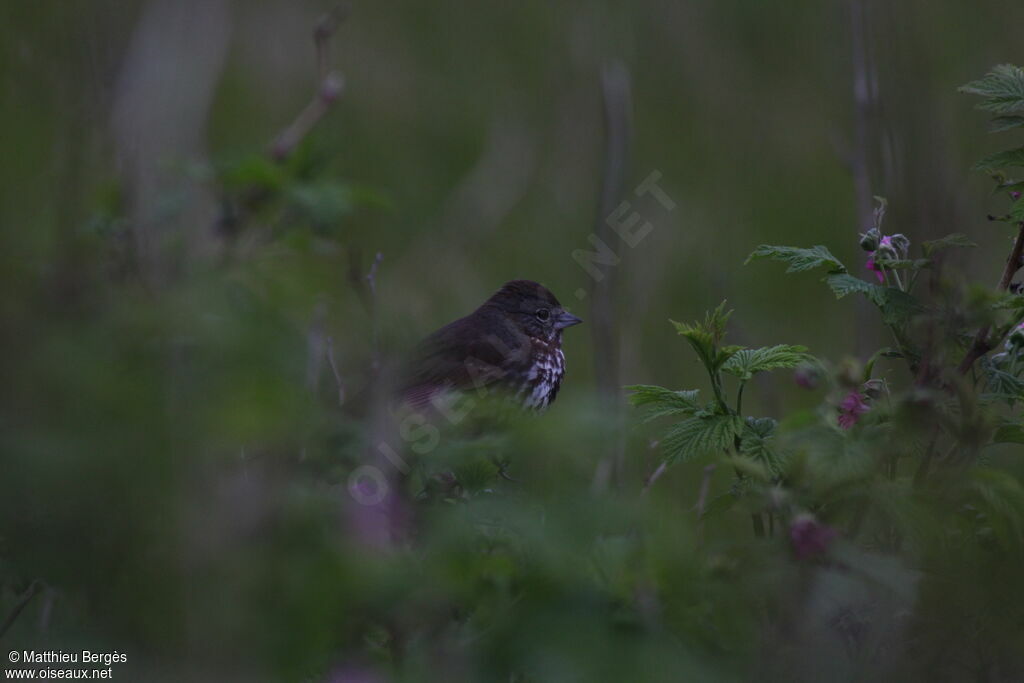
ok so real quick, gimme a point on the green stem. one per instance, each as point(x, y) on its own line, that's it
point(739, 398)
point(716, 387)
point(758, 523)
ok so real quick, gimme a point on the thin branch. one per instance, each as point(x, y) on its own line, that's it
point(26, 597)
point(315, 344)
point(286, 142)
point(323, 32)
point(982, 344)
point(334, 369)
point(371, 282)
point(702, 499)
point(653, 477)
point(705, 487)
point(331, 86)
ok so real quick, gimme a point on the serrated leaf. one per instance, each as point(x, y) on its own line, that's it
point(756, 442)
point(955, 240)
point(1017, 211)
point(1007, 301)
point(798, 258)
point(903, 263)
point(700, 435)
point(1002, 88)
point(1001, 123)
point(1004, 185)
point(897, 306)
point(1004, 159)
point(660, 401)
point(1004, 384)
point(843, 284)
point(705, 337)
point(1000, 497)
point(746, 362)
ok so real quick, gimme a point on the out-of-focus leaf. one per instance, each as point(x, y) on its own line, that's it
point(757, 442)
point(325, 203)
point(1009, 433)
point(255, 171)
point(955, 240)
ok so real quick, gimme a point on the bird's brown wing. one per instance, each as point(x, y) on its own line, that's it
point(456, 357)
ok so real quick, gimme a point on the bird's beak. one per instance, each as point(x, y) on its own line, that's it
point(566, 319)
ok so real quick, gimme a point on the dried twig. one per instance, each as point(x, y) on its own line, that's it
point(290, 137)
point(371, 282)
point(705, 487)
point(26, 597)
point(322, 34)
point(315, 345)
point(982, 343)
point(331, 85)
point(334, 369)
point(702, 499)
point(653, 477)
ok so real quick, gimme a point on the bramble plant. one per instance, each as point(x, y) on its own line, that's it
point(953, 404)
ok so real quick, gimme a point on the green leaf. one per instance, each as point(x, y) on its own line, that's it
point(1017, 211)
point(1003, 384)
point(256, 171)
point(721, 503)
point(324, 202)
point(897, 306)
point(1003, 184)
point(756, 442)
point(1002, 88)
point(843, 284)
point(999, 496)
point(1010, 157)
point(1009, 432)
point(700, 435)
point(798, 258)
point(746, 362)
point(660, 401)
point(903, 263)
point(1007, 301)
point(705, 337)
point(955, 240)
point(1001, 123)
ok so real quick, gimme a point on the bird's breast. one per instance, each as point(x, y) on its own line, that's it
point(543, 377)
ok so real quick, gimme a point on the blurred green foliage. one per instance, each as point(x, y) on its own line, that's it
point(175, 455)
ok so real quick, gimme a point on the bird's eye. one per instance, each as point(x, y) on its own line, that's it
point(543, 315)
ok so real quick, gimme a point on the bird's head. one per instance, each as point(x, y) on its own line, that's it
point(532, 309)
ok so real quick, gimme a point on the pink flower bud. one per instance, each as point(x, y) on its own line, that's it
point(809, 537)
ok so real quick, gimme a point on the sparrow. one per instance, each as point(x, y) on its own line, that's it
point(510, 345)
